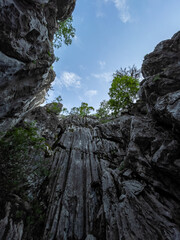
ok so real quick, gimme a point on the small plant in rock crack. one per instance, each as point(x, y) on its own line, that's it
point(157, 77)
point(122, 166)
point(17, 150)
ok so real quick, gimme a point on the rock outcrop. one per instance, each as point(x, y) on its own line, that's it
point(161, 86)
point(26, 54)
point(83, 179)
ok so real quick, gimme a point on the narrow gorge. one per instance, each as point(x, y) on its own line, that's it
point(84, 180)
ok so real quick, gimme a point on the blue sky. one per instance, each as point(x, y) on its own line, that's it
point(110, 34)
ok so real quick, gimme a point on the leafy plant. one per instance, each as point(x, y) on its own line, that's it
point(130, 71)
point(15, 149)
point(83, 110)
point(157, 77)
point(104, 110)
point(65, 33)
point(122, 166)
point(123, 90)
point(64, 111)
point(74, 111)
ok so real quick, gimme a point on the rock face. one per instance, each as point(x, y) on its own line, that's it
point(118, 180)
point(114, 181)
point(26, 54)
point(85, 180)
point(161, 86)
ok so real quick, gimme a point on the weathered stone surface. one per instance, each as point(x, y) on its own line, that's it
point(65, 8)
point(112, 181)
point(26, 54)
point(161, 86)
point(118, 180)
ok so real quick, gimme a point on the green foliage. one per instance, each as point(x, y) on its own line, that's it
point(55, 107)
point(59, 99)
point(123, 89)
point(49, 54)
point(131, 72)
point(83, 110)
point(17, 141)
point(65, 33)
point(157, 77)
point(122, 166)
point(64, 111)
point(57, 58)
point(74, 111)
point(104, 110)
point(15, 149)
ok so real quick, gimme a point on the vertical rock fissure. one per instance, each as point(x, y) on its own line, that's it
point(65, 182)
point(84, 196)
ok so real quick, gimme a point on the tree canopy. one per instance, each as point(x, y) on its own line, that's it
point(65, 33)
point(124, 88)
point(104, 110)
point(83, 110)
point(122, 93)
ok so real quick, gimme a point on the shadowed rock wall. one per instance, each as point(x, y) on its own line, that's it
point(26, 54)
point(115, 181)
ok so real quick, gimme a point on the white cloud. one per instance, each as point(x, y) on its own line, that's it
point(99, 14)
point(69, 79)
point(106, 76)
point(102, 64)
point(123, 9)
point(91, 93)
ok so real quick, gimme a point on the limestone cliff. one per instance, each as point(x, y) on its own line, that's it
point(92, 181)
point(26, 54)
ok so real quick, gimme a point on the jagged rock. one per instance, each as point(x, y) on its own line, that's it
point(161, 87)
point(88, 195)
point(118, 180)
point(65, 8)
point(26, 54)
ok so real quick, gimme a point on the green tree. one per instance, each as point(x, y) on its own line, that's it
point(83, 110)
point(104, 110)
point(64, 111)
point(124, 88)
point(65, 33)
point(74, 111)
point(131, 72)
point(18, 147)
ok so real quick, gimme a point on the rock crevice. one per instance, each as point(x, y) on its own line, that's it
point(88, 181)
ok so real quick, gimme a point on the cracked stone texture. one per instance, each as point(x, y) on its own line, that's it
point(26, 54)
point(161, 86)
point(113, 181)
point(118, 180)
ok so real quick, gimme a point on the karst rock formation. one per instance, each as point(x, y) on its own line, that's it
point(117, 180)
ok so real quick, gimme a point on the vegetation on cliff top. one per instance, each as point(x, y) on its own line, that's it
point(122, 93)
point(123, 90)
